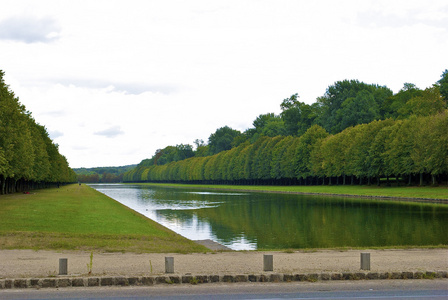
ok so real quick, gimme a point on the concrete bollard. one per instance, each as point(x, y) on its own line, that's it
point(268, 262)
point(63, 266)
point(169, 264)
point(365, 261)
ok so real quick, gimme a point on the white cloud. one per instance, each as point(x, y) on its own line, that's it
point(29, 29)
point(111, 132)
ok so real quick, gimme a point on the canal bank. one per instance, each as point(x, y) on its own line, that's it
point(427, 194)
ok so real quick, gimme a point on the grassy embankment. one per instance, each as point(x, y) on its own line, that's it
point(77, 217)
point(440, 192)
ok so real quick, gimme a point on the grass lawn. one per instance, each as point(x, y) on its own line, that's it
point(80, 218)
point(440, 192)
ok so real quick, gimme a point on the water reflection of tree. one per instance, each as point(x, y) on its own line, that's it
point(291, 221)
point(326, 222)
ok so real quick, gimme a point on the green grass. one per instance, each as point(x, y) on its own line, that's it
point(80, 218)
point(351, 190)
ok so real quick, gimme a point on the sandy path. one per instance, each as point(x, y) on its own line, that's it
point(29, 263)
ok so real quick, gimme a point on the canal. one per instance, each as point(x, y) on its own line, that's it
point(249, 221)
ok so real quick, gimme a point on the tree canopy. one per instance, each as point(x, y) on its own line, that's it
point(355, 131)
point(28, 157)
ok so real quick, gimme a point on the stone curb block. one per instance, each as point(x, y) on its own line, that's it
point(21, 283)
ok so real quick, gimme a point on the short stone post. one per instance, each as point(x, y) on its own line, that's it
point(365, 261)
point(63, 266)
point(268, 262)
point(169, 264)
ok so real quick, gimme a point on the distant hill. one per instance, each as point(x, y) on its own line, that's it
point(102, 174)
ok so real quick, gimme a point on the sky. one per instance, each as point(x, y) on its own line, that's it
point(113, 81)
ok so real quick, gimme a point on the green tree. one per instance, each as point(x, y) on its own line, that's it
point(297, 116)
point(395, 103)
point(332, 102)
point(222, 139)
point(201, 148)
point(360, 161)
point(305, 147)
point(361, 109)
point(278, 155)
point(427, 102)
point(443, 83)
point(377, 153)
point(41, 165)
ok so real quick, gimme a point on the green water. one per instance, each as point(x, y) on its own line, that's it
point(282, 221)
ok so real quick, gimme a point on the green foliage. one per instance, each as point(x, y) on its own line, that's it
point(297, 116)
point(394, 104)
point(306, 145)
point(381, 148)
point(105, 174)
point(443, 83)
point(222, 139)
point(426, 103)
point(348, 103)
point(172, 153)
point(374, 134)
point(28, 157)
point(268, 125)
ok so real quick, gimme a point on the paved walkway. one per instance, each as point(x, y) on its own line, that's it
point(29, 263)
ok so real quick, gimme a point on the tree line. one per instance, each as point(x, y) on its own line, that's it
point(28, 157)
point(415, 149)
point(102, 174)
point(355, 133)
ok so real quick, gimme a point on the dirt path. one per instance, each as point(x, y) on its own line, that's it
point(29, 263)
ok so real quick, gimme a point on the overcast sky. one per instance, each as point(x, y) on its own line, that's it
point(113, 81)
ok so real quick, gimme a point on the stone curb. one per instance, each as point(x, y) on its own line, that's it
point(56, 282)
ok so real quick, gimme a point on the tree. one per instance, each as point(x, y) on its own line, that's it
point(360, 163)
point(436, 157)
point(15, 136)
point(41, 165)
point(183, 151)
point(305, 147)
point(332, 102)
point(222, 139)
point(278, 155)
point(297, 116)
point(393, 104)
point(443, 83)
point(361, 109)
point(427, 102)
point(201, 148)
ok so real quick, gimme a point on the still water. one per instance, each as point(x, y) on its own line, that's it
point(249, 221)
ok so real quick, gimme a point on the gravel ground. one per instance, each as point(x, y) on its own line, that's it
point(29, 263)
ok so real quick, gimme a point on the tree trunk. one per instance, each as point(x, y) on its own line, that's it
point(421, 178)
point(2, 185)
